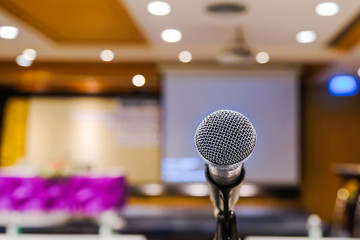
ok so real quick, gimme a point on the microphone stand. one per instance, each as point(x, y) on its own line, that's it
point(224, 199)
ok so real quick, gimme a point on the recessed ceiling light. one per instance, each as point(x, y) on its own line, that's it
point(138, 80)
point(327, 9)
point(107, 55)
point(22, 61)
point(185, 56)
point(171, 35)
point(8, 32)
point(262, 57)
point(159, 8)
point(29, 54)
point(306, 36)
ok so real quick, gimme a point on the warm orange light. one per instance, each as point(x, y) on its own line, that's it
point(343, 194)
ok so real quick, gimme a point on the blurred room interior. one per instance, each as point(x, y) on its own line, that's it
point(100, 100)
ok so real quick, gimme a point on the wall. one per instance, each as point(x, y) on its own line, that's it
point(97, 133)
point(331, 135)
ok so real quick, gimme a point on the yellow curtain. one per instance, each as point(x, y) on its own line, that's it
point(13, 131)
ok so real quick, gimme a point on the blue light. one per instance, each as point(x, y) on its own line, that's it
point(343, 86)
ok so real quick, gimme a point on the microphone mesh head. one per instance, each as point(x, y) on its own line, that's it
point(225, 138)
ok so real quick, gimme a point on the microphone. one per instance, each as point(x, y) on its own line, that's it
point(225, 140)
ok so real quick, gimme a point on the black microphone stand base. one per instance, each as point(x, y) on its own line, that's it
point(226, 229)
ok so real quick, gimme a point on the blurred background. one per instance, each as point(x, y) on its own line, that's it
point(100, 100)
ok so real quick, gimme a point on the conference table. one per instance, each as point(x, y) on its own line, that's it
point(37, 201)
point(140, 237)
point(70, 237)
point(297, 238)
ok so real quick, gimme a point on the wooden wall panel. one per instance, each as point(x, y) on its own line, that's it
point(331, 135)
point(79, 77)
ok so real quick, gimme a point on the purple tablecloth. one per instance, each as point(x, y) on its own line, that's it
point(75, 194)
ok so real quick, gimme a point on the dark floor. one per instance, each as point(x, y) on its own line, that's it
point(159, 224)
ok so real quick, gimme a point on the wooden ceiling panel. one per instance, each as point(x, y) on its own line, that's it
point(349, 37)
point(78, 21)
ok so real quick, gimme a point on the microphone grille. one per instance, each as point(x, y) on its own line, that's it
point(225, 138)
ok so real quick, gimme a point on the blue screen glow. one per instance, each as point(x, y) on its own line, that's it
point(343, 86)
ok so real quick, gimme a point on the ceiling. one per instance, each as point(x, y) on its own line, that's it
point(77, 30)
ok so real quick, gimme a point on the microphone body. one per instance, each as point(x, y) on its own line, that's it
point(225, 176)
point(225, 139)
point(224, 197)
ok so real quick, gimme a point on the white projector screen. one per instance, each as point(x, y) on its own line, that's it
point(269, 98)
